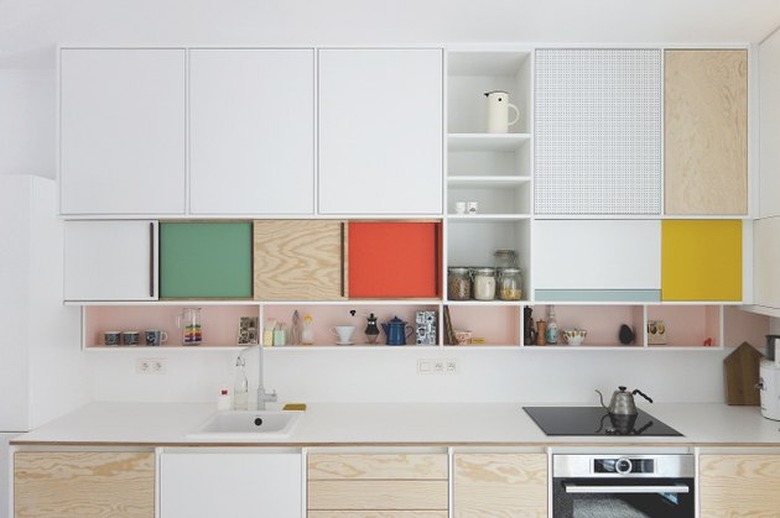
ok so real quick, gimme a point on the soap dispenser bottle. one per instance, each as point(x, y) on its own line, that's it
point(240, 386)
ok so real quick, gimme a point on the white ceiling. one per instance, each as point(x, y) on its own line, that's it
point(29, 29)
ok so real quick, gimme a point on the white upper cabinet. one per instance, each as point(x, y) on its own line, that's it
point(111, 260)
point(769, 125)
point(381, 134)
point(122, 131)
point(251, 131)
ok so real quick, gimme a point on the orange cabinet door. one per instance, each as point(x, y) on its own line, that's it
point(394, 259)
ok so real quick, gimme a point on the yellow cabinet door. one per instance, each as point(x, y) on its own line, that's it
point(500, 484)
point(705, 131)
point(80, 484)
point(701, 260)
point(739, 485)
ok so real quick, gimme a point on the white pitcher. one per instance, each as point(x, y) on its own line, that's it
point(498, 112)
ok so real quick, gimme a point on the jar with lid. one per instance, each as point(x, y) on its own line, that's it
point(505, 259)
point(458, 283)
point(510, 284)
point(484, 283)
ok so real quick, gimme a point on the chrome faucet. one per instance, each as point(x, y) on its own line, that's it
point(263, 397)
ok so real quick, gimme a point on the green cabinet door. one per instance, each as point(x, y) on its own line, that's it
point(205, 260)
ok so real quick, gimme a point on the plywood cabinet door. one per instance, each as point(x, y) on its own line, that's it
point(300, 260)
point(122, 131)
point(739, 485)
point(705, 127)
point(413, 485)
point(500, 484)
point(235, 484)
point(82, 484)
point(251, 131)
point(701, 260)
point(380, 131)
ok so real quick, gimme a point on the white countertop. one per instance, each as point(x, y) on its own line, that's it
point(420, 424)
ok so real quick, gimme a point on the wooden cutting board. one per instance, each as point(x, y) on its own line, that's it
point(741, 369)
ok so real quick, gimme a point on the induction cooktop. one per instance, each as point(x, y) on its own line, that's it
point(587, 420)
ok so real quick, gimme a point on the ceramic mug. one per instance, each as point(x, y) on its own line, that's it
point(343, 333)
point(155, 337)
point(130, 337)
point(112, 338)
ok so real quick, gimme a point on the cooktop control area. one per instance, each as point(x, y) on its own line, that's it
point(588, 420)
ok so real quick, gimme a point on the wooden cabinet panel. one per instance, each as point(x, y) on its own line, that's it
point(377, 494)
point(251, 131)
point(380, 131)
point(376, 466)
point(701, 260)
point(500, 484)
point(739, 485)
point(378, 483)
point(705, 143)
point(206, 260)
point(394, 260)
point(110, 260)
point(122, 139)
point(300, 260)
point(84, 484)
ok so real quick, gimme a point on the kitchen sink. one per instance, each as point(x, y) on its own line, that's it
point(248, 424)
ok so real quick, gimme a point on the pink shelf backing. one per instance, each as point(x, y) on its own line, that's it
point(219, 323)
point(601, 322)
point(325, 316)
point(496, 325)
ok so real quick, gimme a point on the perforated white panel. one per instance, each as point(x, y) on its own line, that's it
point(597, 131)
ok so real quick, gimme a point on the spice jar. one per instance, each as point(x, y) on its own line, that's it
point(484, 283)
point(510, 284)
point(505, 259)
point(458, 283)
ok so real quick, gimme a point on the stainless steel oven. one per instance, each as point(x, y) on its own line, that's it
point(618, 486)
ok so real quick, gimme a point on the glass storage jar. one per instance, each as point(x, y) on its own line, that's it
point(505, 259)
point(484, 283)
point(510, 284)
point(458, 283)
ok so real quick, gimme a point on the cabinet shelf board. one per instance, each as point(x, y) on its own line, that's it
point(486, 141)
point(488, 181)
point(481, 218)
point(485, 63)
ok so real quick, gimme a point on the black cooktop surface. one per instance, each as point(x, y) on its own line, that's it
point(595, 420)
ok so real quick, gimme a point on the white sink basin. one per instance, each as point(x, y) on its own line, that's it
point(248, 424)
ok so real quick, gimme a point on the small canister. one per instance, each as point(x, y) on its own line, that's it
point(510, 284)
point(484, 283)
point(505, 259)
point(458, 283)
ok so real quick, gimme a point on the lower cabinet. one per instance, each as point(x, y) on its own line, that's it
point(739, 485)
point(79, 484)
point(377, 485)
point(500, 484)
point(232, 482)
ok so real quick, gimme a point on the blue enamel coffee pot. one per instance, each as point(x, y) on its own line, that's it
point(396, 331)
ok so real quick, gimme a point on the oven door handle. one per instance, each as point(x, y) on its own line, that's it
point(574, 488)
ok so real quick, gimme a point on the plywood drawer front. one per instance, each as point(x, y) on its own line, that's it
point(378, 494)
point(500, 484)
point(80, 484)
point(377, 467)
point(739, 485)
point(376, 514)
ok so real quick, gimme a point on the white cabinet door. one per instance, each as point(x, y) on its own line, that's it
point(110, 260)
point(122, 123)
point(238, 484)
point(380, 138)
point(617, 260)
point(766, 257)
point(251, 131)
point(769, 159)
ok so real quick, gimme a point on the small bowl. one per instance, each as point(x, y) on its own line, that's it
point(574, 336)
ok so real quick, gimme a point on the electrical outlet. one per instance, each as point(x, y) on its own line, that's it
point(438, 366)
point(151, 366)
